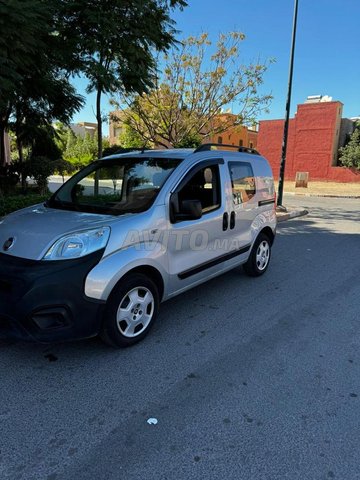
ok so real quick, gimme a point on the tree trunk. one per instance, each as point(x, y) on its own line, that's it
point(21, 160)
point(99, 136)
point(99, 120)
point(2, 146)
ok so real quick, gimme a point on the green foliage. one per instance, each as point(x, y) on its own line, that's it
point(9, 177)
point(23, 27)
point(115, 42)
point(111, 150)
point(199, 81)
point(193, 140)
point(60, 135)
point(80, 150)
point(40, 168)
point(63, 167)
point(130, 138)
point(43, 43)
point(35, 61)
point(44, 144)
point(12, 203)
point(350, 154)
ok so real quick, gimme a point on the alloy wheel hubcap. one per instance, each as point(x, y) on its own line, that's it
point(135, 311)
point(262, 255)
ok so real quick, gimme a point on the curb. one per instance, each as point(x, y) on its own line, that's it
point(328, 195)
point(282, 217)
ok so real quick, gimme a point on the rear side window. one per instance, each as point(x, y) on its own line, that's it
point(242, 182)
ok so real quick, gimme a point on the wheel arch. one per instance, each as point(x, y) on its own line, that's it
point(150, 272)
point(269, 233)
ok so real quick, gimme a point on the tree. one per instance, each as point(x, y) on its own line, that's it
point(21, 36)
point(129, 138)
point(43, 144)
point(80, 150)
point(39, 103)
point(40, 147)
point(35, 62)
point(350, 154)
point(40, 168)
point(197, 83)
point(116, 40)
point(192, 140)
point(63, 167)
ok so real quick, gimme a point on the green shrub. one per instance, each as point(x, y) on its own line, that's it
point(350, 154)
point(11, 203)
point(41, 168)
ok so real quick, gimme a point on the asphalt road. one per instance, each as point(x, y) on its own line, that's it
point(248, 378)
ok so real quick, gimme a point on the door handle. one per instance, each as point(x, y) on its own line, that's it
point(225, 221)
point(232, 220)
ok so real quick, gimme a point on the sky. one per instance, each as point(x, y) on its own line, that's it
point(327, 58)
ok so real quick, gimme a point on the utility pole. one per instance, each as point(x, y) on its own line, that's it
point(287, 110)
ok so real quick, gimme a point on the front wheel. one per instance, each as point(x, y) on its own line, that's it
point(130, 311)
point(259, 258)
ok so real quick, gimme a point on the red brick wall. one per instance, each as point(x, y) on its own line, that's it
point(312, 143)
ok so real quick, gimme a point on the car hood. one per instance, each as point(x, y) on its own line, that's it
point(35, 229)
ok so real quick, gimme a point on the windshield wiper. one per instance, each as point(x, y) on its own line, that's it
point(56, 202)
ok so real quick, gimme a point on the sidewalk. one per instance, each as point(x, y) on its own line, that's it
point(323, 189)
point(316, 189)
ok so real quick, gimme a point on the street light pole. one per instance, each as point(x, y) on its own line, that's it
point(287, 110)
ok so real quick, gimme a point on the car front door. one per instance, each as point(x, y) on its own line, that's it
point(196, 247)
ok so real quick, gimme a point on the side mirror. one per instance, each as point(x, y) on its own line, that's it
point(192, 209)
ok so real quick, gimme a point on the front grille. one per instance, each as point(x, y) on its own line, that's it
point(6, 326)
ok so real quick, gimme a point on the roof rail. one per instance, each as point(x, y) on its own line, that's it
point(207, 146)
point(134, 149)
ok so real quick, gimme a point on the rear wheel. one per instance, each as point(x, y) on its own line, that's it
point(259, 258)
point(130, 311)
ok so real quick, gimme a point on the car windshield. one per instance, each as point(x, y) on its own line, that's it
point(115, 187)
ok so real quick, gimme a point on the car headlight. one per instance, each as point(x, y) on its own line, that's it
point(78, 244)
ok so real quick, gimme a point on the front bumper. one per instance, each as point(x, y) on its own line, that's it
point(45, 301)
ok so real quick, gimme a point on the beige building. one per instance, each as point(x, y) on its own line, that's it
point(114, 127)
point(237, 135)
point(83, 128)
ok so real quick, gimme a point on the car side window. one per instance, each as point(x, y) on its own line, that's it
point(242, 182)
point(204, 185)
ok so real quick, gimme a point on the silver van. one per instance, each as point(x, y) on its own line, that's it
point(128, 232)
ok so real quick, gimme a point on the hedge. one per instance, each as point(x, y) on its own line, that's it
point(11, 203)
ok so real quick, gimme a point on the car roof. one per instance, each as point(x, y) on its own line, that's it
point(167, 153)
point(182, 153)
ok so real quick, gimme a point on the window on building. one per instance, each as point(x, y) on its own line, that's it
point(251, 145)
point(241, 143)
point(219, 140)
point(242, 182)
point(117, 132)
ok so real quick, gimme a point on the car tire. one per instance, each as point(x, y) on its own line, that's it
point(131, 311)
point(259, 258)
